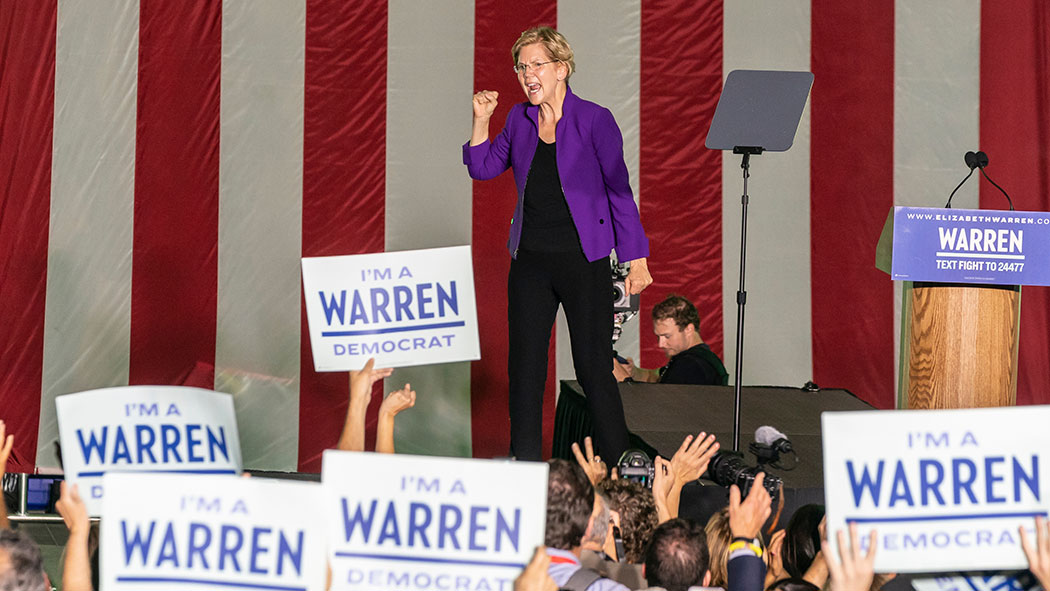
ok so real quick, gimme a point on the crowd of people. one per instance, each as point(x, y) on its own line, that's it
point(603, 532)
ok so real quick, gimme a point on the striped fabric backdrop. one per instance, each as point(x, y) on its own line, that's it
point(164, 164)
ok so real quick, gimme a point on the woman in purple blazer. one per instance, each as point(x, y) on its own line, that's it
point(574, 206)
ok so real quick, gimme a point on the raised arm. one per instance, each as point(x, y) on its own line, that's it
point(689, 463)
point(1038, 554)
point(353, 436)
point(76, 572)
point(855, 571)
point(746, 570)
point(397, 401)
point(6, 443)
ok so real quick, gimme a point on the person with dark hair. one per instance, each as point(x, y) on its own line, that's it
point(21, 565)
point(676, 324)
point(570, 511)
point(801, 554)
point(575, 205)
point(793, 584)
point(676, 558)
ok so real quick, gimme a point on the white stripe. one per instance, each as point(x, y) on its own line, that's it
point(260, 221)
point(763, 35)
point(936, 102)
point(429, 198)
point(606, 41)
point(87, 323)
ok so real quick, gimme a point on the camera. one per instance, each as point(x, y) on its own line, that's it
point(728, 468)
point(635, 465)
point(622, 301)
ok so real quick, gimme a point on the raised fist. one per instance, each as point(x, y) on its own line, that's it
point(485, 103)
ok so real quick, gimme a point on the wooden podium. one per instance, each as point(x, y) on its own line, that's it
point(958, 345)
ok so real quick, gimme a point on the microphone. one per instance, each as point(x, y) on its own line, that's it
point(769, 436)
point(982, 161)
point(971, 160)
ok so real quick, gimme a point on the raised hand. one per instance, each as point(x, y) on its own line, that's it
point(397, 401)
point(485, 103)
point(591, 464)
point(856, 571)
point(665, 494)
point(692, 457)
point(1039, 554)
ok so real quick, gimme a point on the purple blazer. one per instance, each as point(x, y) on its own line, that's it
point(590, 164)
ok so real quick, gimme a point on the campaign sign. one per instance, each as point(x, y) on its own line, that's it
point(170, 532)
point(946, 490)
point(987, 581)
point(971, 246)
point(418, 523)
point(414, 307)
point(145, 429)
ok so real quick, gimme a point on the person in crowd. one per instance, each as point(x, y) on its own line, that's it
point(676, 558)
point(361, 381)
point(638, 515)
point(21, 564)
point(7, 442)
point(535, 576)
point(575, 206)
point(792, 584)
point(570, 511)
point(676, 324)
point(801, 554)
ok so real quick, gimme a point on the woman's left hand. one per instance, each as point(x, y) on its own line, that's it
point(638, 278)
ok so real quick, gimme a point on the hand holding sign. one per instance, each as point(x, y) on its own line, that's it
point(76, 573)
point(856, 571)
point(1038, 555)
point(361, 381)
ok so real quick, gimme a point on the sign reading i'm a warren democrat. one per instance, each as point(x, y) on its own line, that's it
point(176, 532)
point(414, 307)
point(145, 429)
point(946, 490)
point(971, 246)
point(420, 523)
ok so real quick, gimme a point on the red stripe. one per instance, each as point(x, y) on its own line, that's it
point(344, 180)
point(1015, 132)
point(27, 98)
point(680, 180)
point(852, 192)
point(497, 26)
point(174, 268)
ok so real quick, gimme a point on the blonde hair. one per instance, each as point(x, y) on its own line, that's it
point(718, 539)
point(553, 42)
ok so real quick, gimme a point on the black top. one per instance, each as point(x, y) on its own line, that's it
point(547, 225)
point(697, 366)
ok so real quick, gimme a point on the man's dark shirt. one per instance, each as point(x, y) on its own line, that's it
point(697, 366)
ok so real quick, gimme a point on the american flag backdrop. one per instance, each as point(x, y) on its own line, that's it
point(164, 164)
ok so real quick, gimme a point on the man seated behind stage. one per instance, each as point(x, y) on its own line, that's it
point(676, 324)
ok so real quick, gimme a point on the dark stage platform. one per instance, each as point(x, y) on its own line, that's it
point(662, 415)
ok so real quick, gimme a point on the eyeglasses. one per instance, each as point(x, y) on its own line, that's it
point(522, 69)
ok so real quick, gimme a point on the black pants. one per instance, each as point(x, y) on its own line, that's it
point(538, 282)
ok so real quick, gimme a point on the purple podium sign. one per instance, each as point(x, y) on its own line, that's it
point(970, 246)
